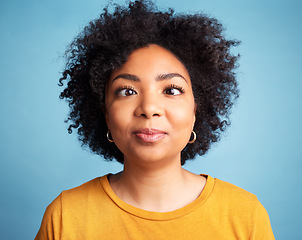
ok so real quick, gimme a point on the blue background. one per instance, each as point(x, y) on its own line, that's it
point(261, 152)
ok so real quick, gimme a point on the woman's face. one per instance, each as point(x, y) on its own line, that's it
point(150, 107)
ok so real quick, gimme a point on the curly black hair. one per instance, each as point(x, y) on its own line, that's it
point(105, 44)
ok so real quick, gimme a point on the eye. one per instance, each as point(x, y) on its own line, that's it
point(125, 91)
point(173, 90)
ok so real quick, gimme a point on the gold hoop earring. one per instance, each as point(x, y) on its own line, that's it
point(194, 137)
point(108, 137)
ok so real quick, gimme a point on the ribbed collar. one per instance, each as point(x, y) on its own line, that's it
point(159, 216)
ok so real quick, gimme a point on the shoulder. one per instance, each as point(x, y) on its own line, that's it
point(230, 198)
point(239, 202)
point(77, 198)
point(84, 194)
point(77, 194)
point(238, 209)
point(85, 188)
point(232, 191)
point(70, 208)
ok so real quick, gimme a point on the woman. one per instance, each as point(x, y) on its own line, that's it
point(152, 89)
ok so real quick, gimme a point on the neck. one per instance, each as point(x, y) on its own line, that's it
point(163, 188)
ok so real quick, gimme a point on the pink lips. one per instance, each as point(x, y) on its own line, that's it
point(149, 135)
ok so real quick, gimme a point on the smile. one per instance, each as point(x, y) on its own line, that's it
point(148, 135)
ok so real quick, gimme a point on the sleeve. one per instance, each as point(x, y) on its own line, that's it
point(262, 225)
point(52, 221)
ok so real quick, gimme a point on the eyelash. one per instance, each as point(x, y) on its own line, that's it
point(171, 86)
point(118, 91)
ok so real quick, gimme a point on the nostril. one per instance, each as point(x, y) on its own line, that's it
point(149, 108)
point(148, 116)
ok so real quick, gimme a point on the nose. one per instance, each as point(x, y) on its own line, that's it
point(149, 106)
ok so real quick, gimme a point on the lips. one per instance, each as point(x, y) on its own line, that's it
point(149, 135)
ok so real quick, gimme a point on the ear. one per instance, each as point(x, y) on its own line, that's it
point(105, 112)
point(104, 108)
point(107, 120)
point(194, 117)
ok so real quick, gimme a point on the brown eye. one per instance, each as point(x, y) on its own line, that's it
point(173, 90)
point(126, 92)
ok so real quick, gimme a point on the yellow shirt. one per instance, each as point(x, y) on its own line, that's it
point(93, 211)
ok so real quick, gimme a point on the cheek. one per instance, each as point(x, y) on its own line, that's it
point(183, 117)
point(118, 117)
point(182, 123)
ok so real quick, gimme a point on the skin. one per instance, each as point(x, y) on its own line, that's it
point(150, 111)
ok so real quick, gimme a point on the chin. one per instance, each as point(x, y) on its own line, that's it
point(149, 157)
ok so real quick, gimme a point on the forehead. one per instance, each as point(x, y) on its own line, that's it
point(152, 59)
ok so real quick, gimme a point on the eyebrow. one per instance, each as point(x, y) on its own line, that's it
point(160, 77)
point(128, 77)
point(169, 76)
